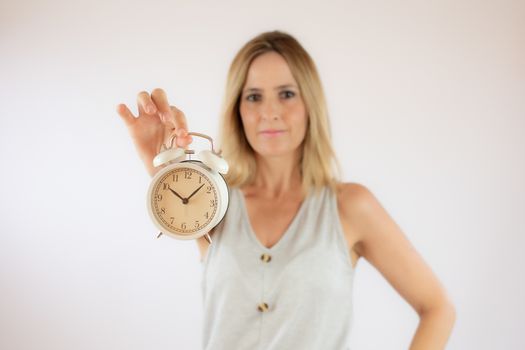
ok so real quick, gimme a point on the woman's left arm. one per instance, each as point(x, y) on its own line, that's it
point(381, 242)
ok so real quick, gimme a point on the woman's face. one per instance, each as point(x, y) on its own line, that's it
point(272, 110)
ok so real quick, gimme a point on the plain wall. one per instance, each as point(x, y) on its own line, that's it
point(427, 107)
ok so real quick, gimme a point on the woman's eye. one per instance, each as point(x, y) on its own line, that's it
point(257, 97)
point(252, 97)
point(288, 94)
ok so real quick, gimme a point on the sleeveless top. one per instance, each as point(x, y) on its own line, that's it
point(295, 295)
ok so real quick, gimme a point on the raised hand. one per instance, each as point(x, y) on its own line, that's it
point(156, 120)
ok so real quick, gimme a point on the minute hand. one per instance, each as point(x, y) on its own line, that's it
point(197, 190)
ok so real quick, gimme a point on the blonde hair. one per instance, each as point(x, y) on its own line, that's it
point(319, 166)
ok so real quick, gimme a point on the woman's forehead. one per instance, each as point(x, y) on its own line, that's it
point(269, 71)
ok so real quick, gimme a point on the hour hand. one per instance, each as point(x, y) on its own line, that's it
point(184, 200)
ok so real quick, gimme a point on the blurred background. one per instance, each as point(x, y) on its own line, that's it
point(427, 107)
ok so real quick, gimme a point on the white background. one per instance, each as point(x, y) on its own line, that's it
point(427, 106)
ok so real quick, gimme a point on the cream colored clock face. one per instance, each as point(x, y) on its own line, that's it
point(184, 200)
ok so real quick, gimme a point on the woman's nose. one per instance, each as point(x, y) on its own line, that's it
point(271, 110)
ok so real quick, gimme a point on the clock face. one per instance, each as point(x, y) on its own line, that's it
point(184, 200)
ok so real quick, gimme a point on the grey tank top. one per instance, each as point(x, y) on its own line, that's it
point(295, 295)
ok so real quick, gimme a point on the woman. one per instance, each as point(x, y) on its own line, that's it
point(279, 272)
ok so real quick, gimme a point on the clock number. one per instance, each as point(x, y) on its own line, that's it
point(200, 179)
point(207, 215)
point(183, 226)
point(165, 186)
point(212, 203)
point(159, 197)
point(197, 224)
point(171, 219)
point(163, 210)
point(187, 175)
point(208, 189)
point(176, 177)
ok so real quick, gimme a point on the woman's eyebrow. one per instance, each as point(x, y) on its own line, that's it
point(275, 88)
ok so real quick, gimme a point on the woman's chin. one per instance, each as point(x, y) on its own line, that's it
point(275, 152)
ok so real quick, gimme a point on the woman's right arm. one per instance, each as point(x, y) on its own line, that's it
point(155, 122)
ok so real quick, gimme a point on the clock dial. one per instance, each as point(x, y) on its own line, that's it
point(184, 200)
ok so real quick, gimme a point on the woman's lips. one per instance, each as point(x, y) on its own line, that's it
point(271, 132)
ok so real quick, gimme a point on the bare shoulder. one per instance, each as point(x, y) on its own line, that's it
point(356, 204)
point(353, 196)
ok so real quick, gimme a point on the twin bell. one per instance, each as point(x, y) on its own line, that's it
point(211, 158)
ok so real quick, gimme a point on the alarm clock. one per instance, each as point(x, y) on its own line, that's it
point(188, 197)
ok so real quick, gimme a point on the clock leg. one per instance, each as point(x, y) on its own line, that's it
point(208, 238)
point(160, 234)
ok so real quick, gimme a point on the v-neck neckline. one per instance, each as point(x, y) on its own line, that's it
point(287, 233)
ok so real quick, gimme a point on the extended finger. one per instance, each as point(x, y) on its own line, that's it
point(161, 101)
point(125, 114)
point(183, 139)
point(145, 103)
point(180, 121)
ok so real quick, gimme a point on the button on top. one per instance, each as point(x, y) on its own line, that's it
point(262, 307)
point(266, 257)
